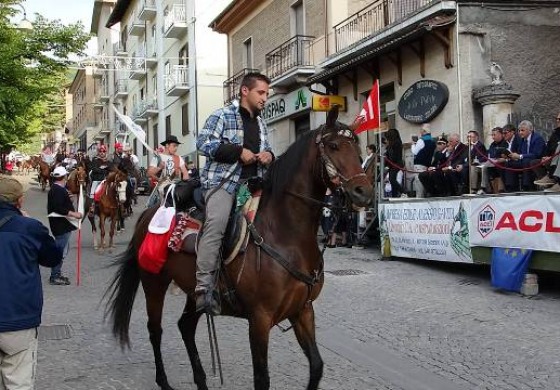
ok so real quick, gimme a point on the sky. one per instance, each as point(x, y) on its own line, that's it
point(72, 11)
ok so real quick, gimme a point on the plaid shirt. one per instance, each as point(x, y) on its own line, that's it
point(225, 126)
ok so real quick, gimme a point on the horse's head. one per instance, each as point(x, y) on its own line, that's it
point(121, 182)
point(340, 154)
point(81, 175)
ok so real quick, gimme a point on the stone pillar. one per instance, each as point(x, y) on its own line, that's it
point(497, 101)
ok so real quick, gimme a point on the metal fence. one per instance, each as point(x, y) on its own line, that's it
point(543, 126)
point(293, 53)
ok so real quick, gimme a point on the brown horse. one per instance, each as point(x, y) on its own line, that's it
point(268, 289)
point(110, 204)
point(44, 174)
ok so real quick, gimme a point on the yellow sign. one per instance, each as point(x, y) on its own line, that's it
point(325, 102)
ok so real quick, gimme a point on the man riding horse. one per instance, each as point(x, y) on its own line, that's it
point(100, 168)
point(235, 142)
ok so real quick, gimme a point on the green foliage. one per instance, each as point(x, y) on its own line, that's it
point(33, 72)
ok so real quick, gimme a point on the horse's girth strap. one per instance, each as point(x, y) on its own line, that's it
point(310, 280)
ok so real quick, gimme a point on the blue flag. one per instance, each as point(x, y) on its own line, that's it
point(509, 267)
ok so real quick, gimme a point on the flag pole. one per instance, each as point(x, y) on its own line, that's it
point(79, 244)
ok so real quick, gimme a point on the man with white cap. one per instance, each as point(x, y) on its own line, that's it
point(60, 202)
point(423, 149)
point(25, 244)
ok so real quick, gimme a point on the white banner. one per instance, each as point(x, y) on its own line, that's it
point(136, 130)
point(526, 222)
point(432, 230)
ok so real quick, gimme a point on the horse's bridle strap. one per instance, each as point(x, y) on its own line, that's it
point(310, 280)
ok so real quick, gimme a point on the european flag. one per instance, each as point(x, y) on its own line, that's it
point(509, 267)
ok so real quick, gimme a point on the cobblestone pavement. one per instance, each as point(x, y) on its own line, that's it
point(406, 325)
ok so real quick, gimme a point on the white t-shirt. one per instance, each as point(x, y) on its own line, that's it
point(169, 164)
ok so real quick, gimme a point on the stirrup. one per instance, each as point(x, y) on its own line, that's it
point(208, 302)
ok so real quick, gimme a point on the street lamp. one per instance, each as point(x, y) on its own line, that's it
point(24, 24)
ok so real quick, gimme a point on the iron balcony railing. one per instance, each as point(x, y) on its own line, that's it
point(294, 53)
point(231, 85)
point(143, 106)
point(177, 13)
point(177, 78)
point(373, 18)
point(121, 86)
point(118, 47)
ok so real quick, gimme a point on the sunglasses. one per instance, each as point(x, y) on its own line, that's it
point(558, 119)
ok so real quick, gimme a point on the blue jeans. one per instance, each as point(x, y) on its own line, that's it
point(62, 244)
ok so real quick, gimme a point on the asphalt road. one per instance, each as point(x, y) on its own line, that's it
point(406, 325)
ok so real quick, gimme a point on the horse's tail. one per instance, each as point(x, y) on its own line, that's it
point(121, 293)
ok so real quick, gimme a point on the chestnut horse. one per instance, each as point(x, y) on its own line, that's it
point(109, 206)
point(267, 288)
point(44, 174)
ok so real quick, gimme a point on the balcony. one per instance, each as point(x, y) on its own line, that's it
point(121, 89)
point(119, 49)
point(175, 21)
point(137, 27)
point(291, 62)
point(120, 128)
point(145, 109)
point(105, 128)
point(104, 95)
point(147, 10)
point(137, 67)
point(231, 85)
point(177, 81)
point(98, 72)
point(98, 104)
point(150, 59)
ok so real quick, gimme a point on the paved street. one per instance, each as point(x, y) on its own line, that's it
point(381, 325)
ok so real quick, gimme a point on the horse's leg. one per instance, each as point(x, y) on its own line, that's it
point(112, 230)
point(304, 328)
point(155, 287)
point(102, 230)
point(91, 218)
point(187, 325)
point(259, 333)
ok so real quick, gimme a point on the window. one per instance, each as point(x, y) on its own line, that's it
point(185, 119)
point(248, 52)
point(124, 35)
point(154, 85)
point(184, 55)
point(141, 94)
point(167, 126)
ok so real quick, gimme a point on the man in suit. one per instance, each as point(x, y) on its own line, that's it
point(530, 153)
point(452, 178)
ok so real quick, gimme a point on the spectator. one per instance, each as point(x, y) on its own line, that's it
point(59, 202)
point(423, 148)
point(26, 244)
point(530, 153)
point(492, 175)
point(433, 176)
point(394, 160)
point(551, 159)
point(477, 155)
point(452, 178)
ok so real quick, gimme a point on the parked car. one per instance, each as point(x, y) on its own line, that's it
point(144, 185)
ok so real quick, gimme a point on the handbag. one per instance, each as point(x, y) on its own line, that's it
point(153, 251)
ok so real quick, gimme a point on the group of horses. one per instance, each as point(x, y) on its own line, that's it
point(280, 274)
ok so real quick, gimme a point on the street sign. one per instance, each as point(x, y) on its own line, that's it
point(325, 102)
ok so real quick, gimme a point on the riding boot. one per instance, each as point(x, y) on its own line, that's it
point(208, 301)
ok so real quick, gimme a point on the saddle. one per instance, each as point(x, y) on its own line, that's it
point(189, 201)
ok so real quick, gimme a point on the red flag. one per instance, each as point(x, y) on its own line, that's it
point(370, 114)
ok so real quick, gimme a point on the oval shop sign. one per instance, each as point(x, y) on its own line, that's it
point(423, 101)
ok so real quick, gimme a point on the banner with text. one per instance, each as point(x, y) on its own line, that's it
point(432, 230)
point(526, 222)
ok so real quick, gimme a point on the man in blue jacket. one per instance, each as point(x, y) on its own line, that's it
point(531, 151)
point(25, 244)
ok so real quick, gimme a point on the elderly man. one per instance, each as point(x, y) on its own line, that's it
point(26, 244)
point(452, 178)
point(530, 154)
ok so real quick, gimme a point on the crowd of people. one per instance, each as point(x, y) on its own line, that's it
point(517, 159)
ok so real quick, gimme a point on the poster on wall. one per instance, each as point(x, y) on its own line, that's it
point(432, 230)
point(524, 222)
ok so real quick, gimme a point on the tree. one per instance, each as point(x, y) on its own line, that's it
point(33, 68)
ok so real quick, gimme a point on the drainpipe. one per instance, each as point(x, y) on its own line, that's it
point(459, 83)
point(160, 72)
point(326, 27)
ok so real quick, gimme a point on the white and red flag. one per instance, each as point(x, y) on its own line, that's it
point(369, 117)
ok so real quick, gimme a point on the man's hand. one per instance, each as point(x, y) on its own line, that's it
point(247, 157)
point(264, 158)
point(514, 156)
point(75, 214)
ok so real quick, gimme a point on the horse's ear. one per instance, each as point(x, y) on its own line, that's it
point(332, 116)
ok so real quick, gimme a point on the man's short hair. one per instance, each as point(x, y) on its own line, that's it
point(526, 125)
point(509, 127)
point(372, 147)
point(250, 80)
point(497, 129)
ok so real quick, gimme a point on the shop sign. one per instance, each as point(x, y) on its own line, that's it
point(325, 102)
point(285, 105)
point(423, 101)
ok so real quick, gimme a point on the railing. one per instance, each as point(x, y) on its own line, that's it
point(373, 18)
point(291, 54)
point(178, 77)
point(143, 106)
point(231, 85)
point(177, 14)
point(120, 127)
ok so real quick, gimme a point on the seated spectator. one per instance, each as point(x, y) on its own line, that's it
point(550, 160)
point(452, 178)
point(476, 157)
point(491, 174)
point(432, 176)
point(513, 141)
point(530, 154)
